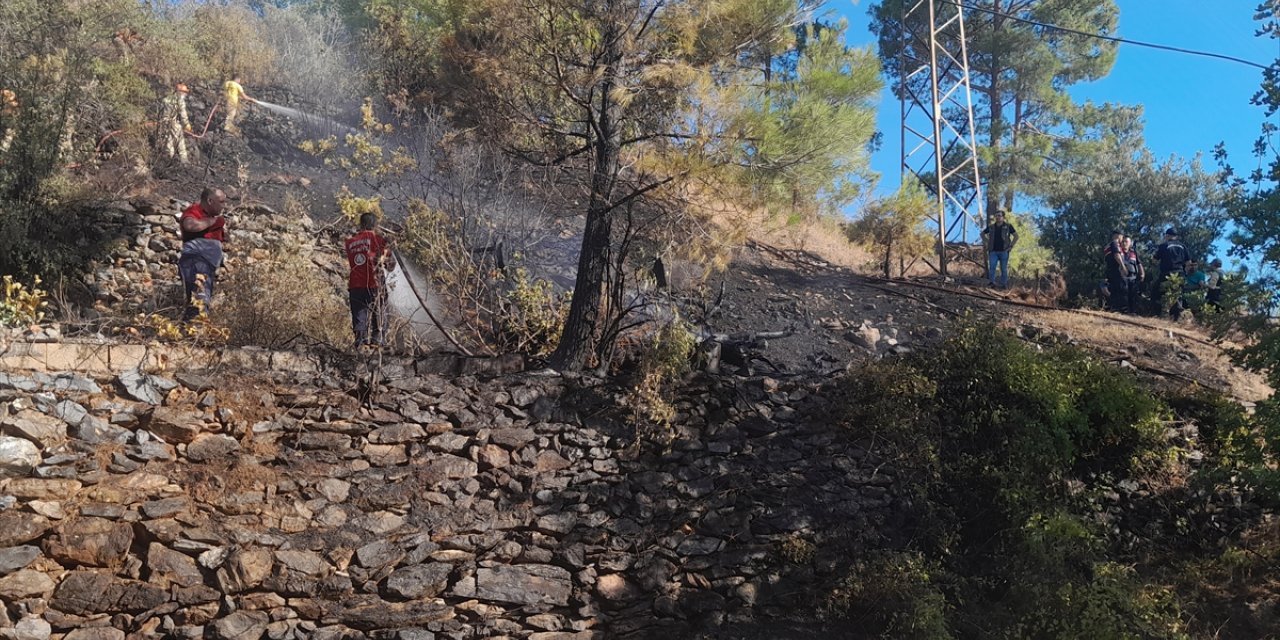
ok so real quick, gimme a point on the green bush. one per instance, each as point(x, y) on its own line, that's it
point(891, 595)
point(987, 433)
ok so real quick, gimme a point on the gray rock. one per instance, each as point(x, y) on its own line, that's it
point(70, 412)
point(512, 438)
point(25, 584)
point(15, 558)
point(370, 613)
point(448, 467)
point(449, 442)
point(18, 456)
point(526, 584)
point(380, 554)
point(18, 528)
point(334, 490)
point(29, 628)
point(37, 427)
point(145, 387)
point(245, 569)
point(241, 625)
point(211, 446)
point(169, 566)
point(419, 581)
point(95, 633)
point(304, 562)
point(165, 508)
point(95, 430)
point(397, 434)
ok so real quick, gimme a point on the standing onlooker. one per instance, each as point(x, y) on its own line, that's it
point(366, 252)
point(203, 232)
point(1117, 272)
point(1213, 286)
point(1135, 274)
point(1000, 237)
point(1172, 256)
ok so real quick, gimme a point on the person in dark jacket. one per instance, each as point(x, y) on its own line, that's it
point(1135, 274)
point(1000, 236)
point(1117, 271)
point(1171, 256)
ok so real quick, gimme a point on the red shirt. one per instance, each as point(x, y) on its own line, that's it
point(216, 232)
point(363, 251)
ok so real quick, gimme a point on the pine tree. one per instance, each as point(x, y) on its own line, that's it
point(646, 105)
point(1026, 121)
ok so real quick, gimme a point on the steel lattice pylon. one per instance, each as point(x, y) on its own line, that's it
point(938, 143)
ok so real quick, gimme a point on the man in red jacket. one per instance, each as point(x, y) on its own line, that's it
point(367, 252)
point(203, 232)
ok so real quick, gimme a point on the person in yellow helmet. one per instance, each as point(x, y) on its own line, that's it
point(174, 121)
point(233, 93)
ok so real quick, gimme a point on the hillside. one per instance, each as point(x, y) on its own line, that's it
point(161, 490)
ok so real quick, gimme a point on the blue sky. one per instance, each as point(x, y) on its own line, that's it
point(1190, 103)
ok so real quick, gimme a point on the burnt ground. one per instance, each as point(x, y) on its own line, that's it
point(823, 306)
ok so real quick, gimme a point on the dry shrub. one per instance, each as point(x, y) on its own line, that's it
point(282, 301)
point(232, 39)
point(665, 360)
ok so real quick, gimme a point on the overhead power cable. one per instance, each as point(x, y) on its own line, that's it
point(1137, 43)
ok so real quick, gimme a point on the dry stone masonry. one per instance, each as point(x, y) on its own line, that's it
point(389, 502)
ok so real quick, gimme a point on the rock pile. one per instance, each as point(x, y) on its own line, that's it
point(382, 502)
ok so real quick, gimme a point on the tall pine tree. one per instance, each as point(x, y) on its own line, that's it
point(650, 105)
point(1026, 121)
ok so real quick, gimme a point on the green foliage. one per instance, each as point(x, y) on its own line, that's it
point(532, 313)
point(891, 595)
point(1133, 193)
point(894, 227)
point(1255, 214)
point(21, 306)
point(1013, 63)
point(816, 104)
point(990, 432)
point(1030, 258)
point(664, 360)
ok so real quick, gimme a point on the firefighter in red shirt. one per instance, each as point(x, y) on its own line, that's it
point(203, 232)
point(367, 252)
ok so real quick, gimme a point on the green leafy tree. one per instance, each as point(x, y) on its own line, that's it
point(814, 104)
point(1255, 212)
point(894, 227)
point(1026, 121)
point(1136, 194)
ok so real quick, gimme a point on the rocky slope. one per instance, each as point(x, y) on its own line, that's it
point(372, 500)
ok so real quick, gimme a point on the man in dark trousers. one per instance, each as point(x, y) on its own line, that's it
point(1117, 273)
point(367, 251)
point(1000, 237)
point(203, 232)
point(1172, 257)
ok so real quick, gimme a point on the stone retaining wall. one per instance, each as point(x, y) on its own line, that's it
point(385, 502)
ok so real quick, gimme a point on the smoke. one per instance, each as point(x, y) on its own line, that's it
point(324, 125)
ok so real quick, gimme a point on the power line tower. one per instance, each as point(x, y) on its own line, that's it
point(939, 147)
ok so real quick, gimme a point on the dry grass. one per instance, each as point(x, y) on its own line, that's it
point(1159, 337)
point(282, 301)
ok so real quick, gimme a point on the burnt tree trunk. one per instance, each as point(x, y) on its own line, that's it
point(578, 342)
